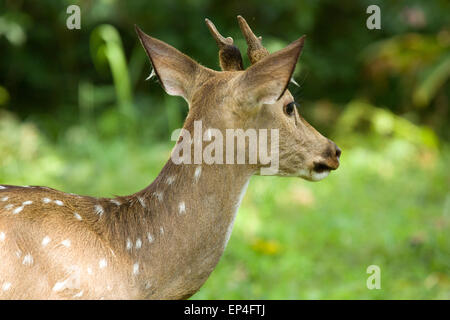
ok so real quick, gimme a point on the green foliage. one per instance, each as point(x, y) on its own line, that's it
point(362, 122)
point(433, 79)
point(106, 46)
point(421, 61)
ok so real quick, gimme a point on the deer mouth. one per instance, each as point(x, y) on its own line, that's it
point(314, 174)
point(321, 167)
point(321, 170)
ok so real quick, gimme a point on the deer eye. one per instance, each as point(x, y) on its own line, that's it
point(289, 108)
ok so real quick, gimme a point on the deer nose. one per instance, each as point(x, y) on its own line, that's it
point(334, 151)
point(330, 158)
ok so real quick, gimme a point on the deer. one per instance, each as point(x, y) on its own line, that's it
point(164, 241)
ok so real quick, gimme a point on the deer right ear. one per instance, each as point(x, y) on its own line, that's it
point(267, 80)
point(177, 73)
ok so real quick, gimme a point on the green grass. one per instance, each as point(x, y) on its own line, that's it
point(292, 239)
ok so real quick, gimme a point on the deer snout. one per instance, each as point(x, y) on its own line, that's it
point(330, 158)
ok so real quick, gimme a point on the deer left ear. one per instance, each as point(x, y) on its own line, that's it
point(267, 80)
point(178, 74)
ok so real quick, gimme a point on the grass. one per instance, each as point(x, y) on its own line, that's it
point(292, 239)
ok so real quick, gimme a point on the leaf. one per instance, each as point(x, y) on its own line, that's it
point(433, 80)
point(107, 44)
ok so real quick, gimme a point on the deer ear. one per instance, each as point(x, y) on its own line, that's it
point(177, 73)
point(266, 81)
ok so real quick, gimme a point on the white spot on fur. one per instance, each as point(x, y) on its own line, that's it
point(136, 268)
point(28, 260)
point(79, 294)
point(66, 243)
point(99, 209)
point(197, 173)
point(102, 263)
point(2, 187)
point(149, 237)
point(17, 210)
point(129, 244)
point(46, 241)
point(142, 202)
point(18, 253)
point(170, 180)
point(182, 208)
point(46, 200)
point(6, 286)
point(138, 243)
point(26, 203)
point(161, 230)
point(5, 199)
point(2, 236)
point(159, 196)
point(58, 202)
point(89, 270)
point(59, 286)
point(9, 206)
point(116, 202)
point(77, 216)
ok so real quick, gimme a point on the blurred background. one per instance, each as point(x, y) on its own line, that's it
point(77, 115)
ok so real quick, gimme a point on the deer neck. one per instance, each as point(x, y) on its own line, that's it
point(187, 218)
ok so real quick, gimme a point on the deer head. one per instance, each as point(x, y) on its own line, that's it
point(255, 98)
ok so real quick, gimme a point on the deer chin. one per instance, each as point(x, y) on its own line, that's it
point(313, 175)
point(317, 176)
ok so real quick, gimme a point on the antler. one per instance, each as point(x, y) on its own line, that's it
point(229, 55)
point(255, 49)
